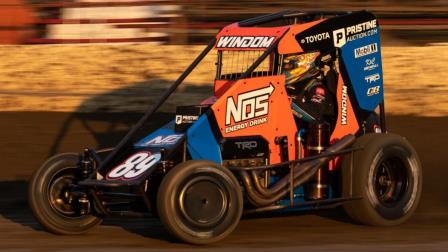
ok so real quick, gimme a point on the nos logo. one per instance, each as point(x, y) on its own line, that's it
point(249, 105)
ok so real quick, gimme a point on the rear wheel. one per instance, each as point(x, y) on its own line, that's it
point(387, 174)
point(50, 196)
point(200, 202)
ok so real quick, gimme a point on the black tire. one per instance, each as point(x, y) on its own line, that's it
point(200, 202)
point(48, 197)
point(387, 175)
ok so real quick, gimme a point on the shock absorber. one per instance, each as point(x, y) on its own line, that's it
point(318, 138)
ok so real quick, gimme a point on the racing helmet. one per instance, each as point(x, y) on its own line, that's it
point(297, 66)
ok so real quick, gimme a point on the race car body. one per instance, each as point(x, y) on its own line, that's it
point(296, 121)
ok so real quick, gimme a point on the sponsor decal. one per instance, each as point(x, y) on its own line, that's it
point(365, 50)
point(344, 105)
point(373, 91)
point(163, 140)
point(178, 119)
point(372, 78)
point(246, 145)
point(134, 166)
point(186, 119)
point(250, 109)
point(339, 37)
point(354, 32)
point(245, 41)
point(370, 64)
point(315, 38)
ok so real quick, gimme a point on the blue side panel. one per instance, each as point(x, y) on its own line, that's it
point(201, 142)
point(362, 58)
point(163, 137)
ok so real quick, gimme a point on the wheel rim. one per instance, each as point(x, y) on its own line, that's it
point(391, 181)
point(203, 201)
point(59, 192)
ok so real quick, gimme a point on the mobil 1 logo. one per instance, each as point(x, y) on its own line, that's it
point(365, 50)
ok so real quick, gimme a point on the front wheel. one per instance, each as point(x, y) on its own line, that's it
point(387, 174)
point(50, 196)
point(200, 202)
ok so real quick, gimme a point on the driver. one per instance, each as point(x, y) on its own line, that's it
point(305, 85)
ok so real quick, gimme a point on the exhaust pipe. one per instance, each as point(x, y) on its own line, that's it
point(260, 196)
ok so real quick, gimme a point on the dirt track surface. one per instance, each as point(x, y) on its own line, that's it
point(26, 139)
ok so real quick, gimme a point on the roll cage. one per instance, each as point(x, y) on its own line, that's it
point(282, 18)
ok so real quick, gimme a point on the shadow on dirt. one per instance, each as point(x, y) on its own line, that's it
point(51, 133)
point(107, 123)
point(99, 122)
point(13, 196)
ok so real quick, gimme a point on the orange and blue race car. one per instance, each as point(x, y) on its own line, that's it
point(296, 122)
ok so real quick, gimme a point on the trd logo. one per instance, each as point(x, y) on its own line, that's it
point(249, 105)
point(372, 78)
point(246, 145)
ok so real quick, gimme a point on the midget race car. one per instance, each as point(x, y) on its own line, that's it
point(296, 122)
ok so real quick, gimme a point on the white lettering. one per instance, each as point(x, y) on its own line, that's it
point(224, 41)
point(344, 105)
point(372, 78)
point(244, 42)
point(342, 35)
point(249, 105)
point(161, 140)
point(317, 37)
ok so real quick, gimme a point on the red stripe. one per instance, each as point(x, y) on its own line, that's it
point(110, 40)
point(63, 4)
point(103, 21)
point(174, 25)
point(417, 21)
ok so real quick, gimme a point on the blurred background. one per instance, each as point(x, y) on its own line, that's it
point(191, 21)
point(99, 55)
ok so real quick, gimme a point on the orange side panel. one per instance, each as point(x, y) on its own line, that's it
point(289, 44)
point(346, 122)
point(258, 106)
point(221, 86)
